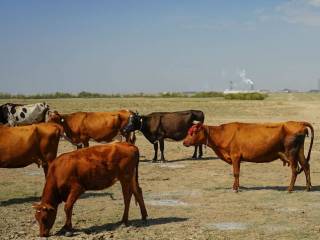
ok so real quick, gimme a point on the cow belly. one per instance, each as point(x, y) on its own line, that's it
point(16, 162)
point(267, 157)
point(99, 183)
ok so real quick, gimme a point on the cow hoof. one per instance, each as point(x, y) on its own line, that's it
point(154, 160)
point(68, 234)
point(145, 222)
point(124, 224)
point(235, 190)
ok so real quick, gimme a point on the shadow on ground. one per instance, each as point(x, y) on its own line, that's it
point(32, 199)
point(21, 200)
point(275, 188)
point(133, 223)
point(97, 194)
point(182, 160)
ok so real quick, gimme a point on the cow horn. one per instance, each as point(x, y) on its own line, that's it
point(36, 205)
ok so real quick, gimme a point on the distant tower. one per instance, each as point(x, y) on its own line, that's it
point(319, 84)
point(251, 87)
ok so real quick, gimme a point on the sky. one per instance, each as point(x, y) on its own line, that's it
point(132, 46)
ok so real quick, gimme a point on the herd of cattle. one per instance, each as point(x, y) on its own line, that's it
point(100, 166)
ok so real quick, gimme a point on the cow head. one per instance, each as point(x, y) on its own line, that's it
point(196, 136)
point(54, 117)
point(134, 123)
point(45, 216)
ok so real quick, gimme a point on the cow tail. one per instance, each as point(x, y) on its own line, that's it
point(308, 125)
point(137, 175)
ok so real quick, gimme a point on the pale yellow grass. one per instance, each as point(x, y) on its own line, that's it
point(186, 199)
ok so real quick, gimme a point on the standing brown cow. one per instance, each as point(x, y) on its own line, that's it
point(94, 168)
point(22, 146)
point(259, 143)
point(80, 127)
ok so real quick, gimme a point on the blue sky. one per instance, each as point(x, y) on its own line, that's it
point(153, 46)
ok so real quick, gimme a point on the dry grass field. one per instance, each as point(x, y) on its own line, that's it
point(185, 199)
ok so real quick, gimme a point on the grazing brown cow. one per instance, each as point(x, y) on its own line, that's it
point(94, 168)
point(80, 127)
point(259, 143)
point(22, 146)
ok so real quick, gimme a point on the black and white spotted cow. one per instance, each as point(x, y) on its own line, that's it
point(18, 114)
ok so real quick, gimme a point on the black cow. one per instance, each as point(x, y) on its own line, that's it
point(158, 126)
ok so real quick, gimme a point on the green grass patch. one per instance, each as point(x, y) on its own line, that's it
point(246, 96)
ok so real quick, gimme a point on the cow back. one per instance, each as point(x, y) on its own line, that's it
point(97, 167)
point(101, 126)
point(171, 125)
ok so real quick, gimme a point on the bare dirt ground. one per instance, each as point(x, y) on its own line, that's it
point(185, 199)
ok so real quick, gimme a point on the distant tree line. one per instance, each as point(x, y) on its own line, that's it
point(84, 94)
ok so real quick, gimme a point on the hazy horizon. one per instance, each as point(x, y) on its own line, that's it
point(156, 46)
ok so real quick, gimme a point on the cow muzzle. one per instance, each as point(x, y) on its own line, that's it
point(186, 143)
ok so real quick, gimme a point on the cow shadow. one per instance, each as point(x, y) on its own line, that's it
point(192, 159)
point(32, 199)
point(182, 160)
point(22, 200)
point(280, 188)
point(137, 223)
point(97, 194)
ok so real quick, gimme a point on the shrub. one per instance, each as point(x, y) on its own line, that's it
point(246, 96)
point(207, 94)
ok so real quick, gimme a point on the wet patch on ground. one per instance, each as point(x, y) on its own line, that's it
point(166, 202)
point(227, 226)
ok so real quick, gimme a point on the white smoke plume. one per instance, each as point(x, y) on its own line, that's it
point(242, 74)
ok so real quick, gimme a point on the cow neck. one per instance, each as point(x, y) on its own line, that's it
point(209, 132)
point(50, 193)
point(121, 118)
point(142, 123)
point(66, 127)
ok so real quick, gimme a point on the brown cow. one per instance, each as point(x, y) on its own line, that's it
point(22, 146)
point(94, 168)
point(259, 143)
point(80, 127)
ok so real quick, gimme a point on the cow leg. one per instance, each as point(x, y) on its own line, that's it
point(155, 146)
point(86, 144)
point(68, 207)
point(162, 150)
point(294, 165)
point(284, 159)
point(236, 173)
point(131, 138)
point(127, 194)
point(194, 156)
point(45, 168)
point(137, 191)
point(200, 152)
point(306, 168)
